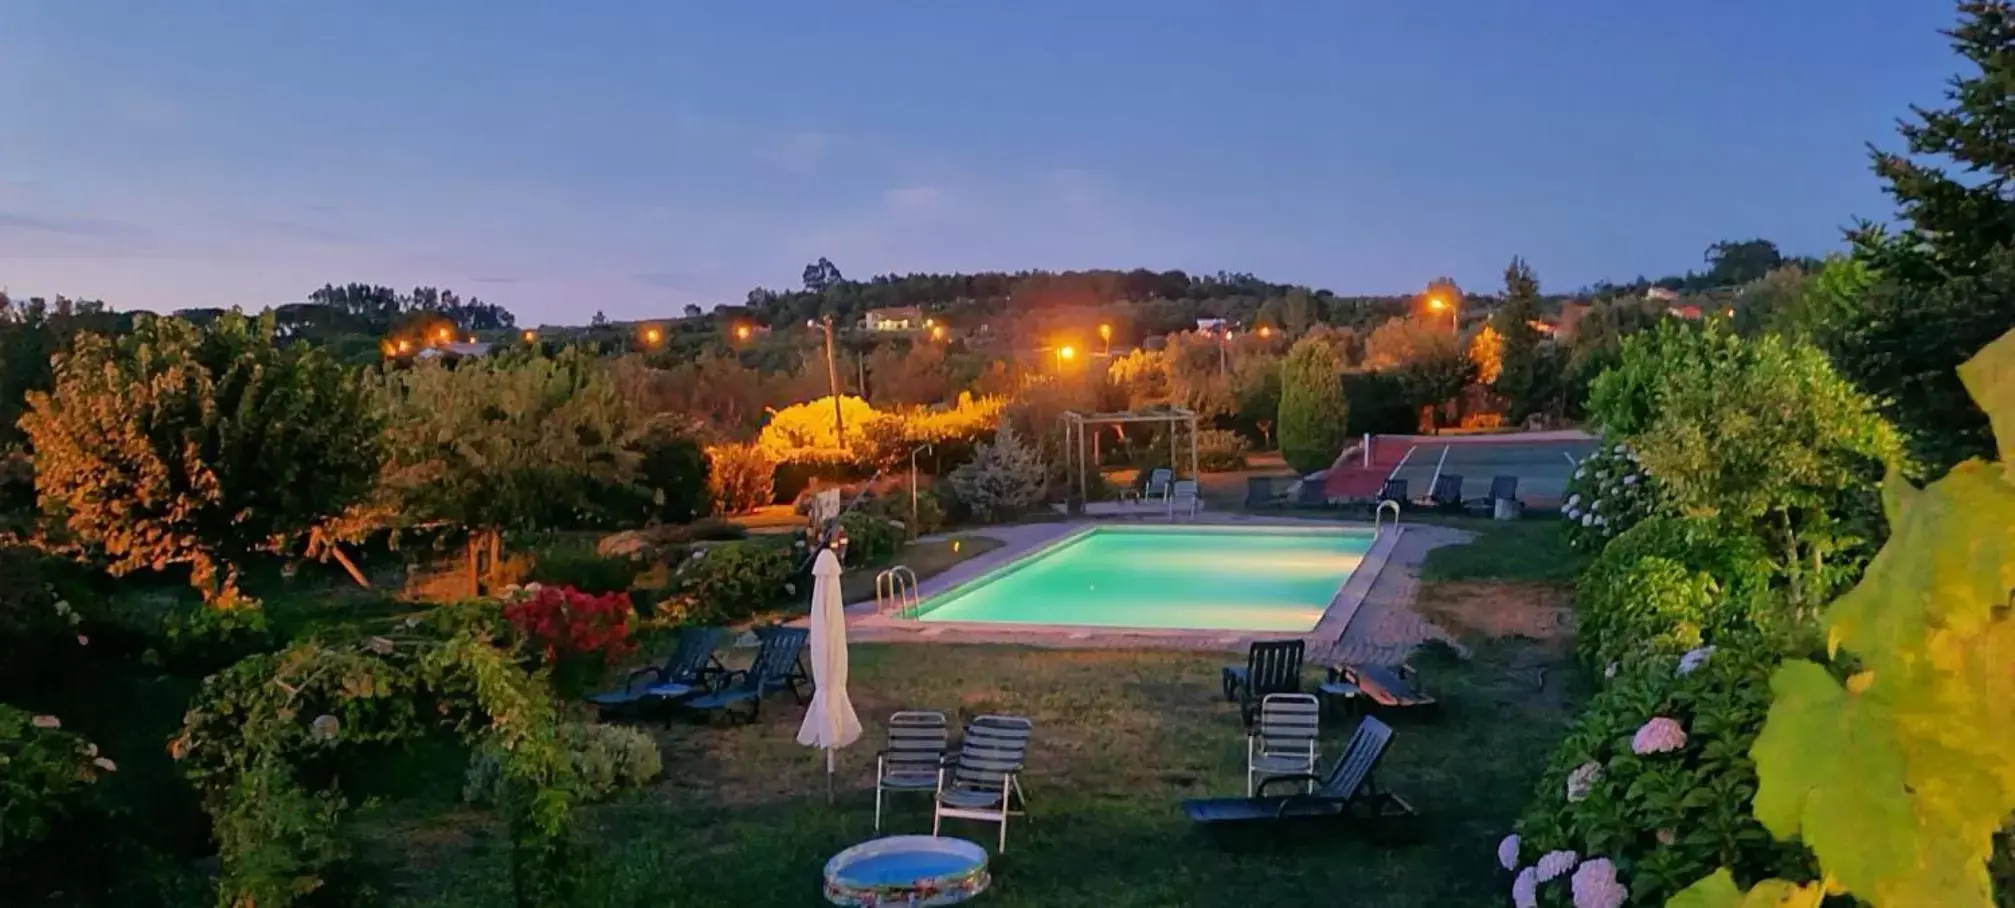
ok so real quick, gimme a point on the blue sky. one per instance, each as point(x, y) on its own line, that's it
point(634, 156)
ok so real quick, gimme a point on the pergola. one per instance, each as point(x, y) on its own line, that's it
point(1077, 465)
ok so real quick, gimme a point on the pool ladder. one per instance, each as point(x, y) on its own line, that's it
point(1378, 516)
point(896, 591)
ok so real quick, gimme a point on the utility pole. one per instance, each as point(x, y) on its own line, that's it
point(833, 381)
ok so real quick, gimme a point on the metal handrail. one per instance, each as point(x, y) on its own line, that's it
point(896, 590)
point(1378, 516)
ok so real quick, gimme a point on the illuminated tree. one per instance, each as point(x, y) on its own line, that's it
point(198, 447)
point(1314, 417)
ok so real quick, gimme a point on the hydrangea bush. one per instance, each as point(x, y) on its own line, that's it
point(1610, 493)
point(1668, 585)
point(1650, 789)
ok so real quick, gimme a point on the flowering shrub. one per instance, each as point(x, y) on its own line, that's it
point(1652, 786)
point(1667, 586)
point(730, 582)
point(560, 621)
point(44, 772)
point(1610, 493)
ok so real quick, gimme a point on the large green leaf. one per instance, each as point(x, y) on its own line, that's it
point(1718, 891)
point(1990, 378)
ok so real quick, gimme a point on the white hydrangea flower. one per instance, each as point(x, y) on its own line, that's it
point(1601, 521)
point(105, 764)
point(1574, 499)
point(1609, 671)
point(1694, 659)
point(1621, 449)
point(1595, 505)
point(1525, 889)
point(1582, 780)
point(1554, 864)
point(1596, 886)
point(325, 727)
point(1580, 472)
point(1572, 513)
point(1507, 852)
point(1588, 520)
point(1630, 480)
point(1660, 735)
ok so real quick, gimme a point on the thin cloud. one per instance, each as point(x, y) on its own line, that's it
point(94, 228)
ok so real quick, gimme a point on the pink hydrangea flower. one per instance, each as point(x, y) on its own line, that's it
point(1582, 780)
point(1595, 885)
point(1660, 735)
point(1507, 852)
point(1525, 889)
point(1554, 864)
point(46, 722)
point(105, 764)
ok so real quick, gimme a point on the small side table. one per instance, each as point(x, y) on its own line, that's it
point(1337, 692)
point(912, 871)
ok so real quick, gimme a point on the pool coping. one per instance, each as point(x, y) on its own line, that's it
point(865, 623)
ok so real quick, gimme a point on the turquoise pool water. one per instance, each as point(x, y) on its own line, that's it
point(1204, 578)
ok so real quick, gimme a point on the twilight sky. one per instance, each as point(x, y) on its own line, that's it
point(636, 155)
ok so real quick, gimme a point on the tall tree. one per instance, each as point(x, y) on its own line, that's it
point(494, 447)
point(1734, 262)
point(197, 447)
point(1314, 417)
point(1946, 284)
point(821, 276)
point(1520, 380)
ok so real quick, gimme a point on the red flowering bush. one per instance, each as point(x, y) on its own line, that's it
point(561, 621)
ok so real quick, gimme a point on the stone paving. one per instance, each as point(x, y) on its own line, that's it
point(1381, 628)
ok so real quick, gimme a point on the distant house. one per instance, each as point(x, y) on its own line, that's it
point(1660, 294)
point(894, 318)
point(454, 351)
point(1207, 325)
point(1689, 312)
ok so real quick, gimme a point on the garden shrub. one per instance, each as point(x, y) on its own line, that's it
point(1220, 451)
point(872, 538)
point(607, 759)
point(1378, 404)
point(582, 569)
point(714, 529)
point(1004, 479)
point(740, 478)
point(45, 776)
point(1608, 494)
point(673, 470)
point(1670, 584)
point(1655, 777)
point(1314, 414)
point(727, 583)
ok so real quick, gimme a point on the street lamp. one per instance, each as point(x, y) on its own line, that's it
point(1437, 304)
point(652, 335)
point(741, 332)
point(937, 332)
point(530, 336)
point(1266, 331)
point(1105, 334)
point(1064, 354)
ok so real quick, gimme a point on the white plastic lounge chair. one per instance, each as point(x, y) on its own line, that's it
point(1283, 743)
point(983, 781)
point(1182, 499)
point(917, 742)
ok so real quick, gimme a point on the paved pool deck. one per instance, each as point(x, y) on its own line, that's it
point(1371, 620)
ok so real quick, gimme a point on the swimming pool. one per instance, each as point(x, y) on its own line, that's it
point(1273, 579)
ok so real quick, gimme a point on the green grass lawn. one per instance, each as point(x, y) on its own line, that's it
point(740, 816)
point(1533, 550)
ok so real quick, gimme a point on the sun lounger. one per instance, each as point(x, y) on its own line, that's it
point(1386, 687)
point(776, 668)
point(1271, 667)
point(1347, 792)
point(691, 668)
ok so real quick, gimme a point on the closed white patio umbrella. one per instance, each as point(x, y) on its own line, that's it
point(830, 722)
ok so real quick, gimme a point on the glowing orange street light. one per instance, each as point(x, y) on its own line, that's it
point(1066, 351)
point(472, 338)
point(653, 335)
point(531, 336)
point(1266, 331)
point(405, 346)
point(937, 332)
point(1437, 304)
point(442, 335)
point(930, 323)
point(741, 332)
